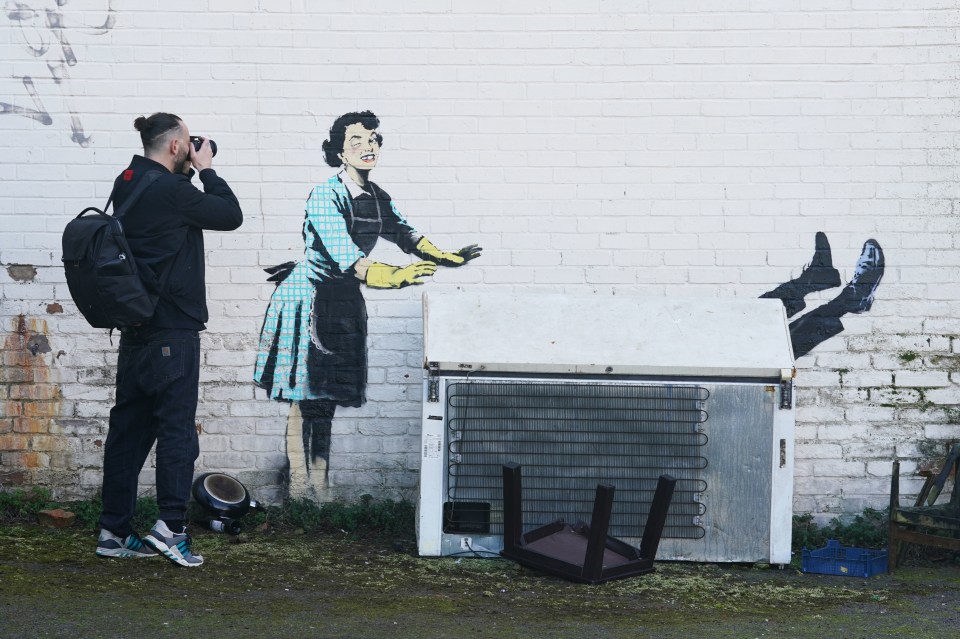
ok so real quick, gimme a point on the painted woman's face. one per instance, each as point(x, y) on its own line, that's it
point(360, 147)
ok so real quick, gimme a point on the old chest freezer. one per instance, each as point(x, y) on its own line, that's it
point(581, 390)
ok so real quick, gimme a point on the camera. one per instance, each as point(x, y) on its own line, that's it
point(198, 141)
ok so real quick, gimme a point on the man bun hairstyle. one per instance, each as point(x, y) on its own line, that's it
point(333, 147)
point(153, 130)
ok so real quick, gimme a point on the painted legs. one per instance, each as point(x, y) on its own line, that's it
point(308, 449)
point(856, 297)
point(317, 415)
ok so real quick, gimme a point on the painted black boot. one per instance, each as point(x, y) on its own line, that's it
point(857, 296)
point(819, 275)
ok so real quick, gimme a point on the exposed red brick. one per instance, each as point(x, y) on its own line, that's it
point(31, 425)
point(56, 518)
point(41, 409)
point(21, 358)
point(27, 459)
point(13, 478)
point(12, 409)
point(14, 442)
point(15, 375)
point(46, 442)
point(30, 404)
point(34, 391)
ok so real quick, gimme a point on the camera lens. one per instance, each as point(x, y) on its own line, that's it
point(198, 141)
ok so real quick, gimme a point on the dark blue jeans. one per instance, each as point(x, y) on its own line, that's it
point(158, 375)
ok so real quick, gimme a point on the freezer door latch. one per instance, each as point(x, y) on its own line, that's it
point(433, 382)
point(786, 389)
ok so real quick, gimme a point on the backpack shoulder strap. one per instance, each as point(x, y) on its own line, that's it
point(149, 178)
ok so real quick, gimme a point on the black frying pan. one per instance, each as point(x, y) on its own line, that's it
point(222, 494)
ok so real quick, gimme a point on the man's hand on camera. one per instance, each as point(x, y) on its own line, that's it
point(202, 159)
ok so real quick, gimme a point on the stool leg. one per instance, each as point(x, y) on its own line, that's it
point(512, 505)
point(599, 524)
point(894, 546)
point(657, 517)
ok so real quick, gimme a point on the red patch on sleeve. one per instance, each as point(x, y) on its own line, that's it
point(128, 175)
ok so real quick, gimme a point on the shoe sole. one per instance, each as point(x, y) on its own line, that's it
point(123, 554)
point(173, 554)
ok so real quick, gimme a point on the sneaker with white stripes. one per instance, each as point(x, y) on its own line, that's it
point(129, 547)
point(173, 546)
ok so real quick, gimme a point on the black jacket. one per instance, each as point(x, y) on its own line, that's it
point(165, 231)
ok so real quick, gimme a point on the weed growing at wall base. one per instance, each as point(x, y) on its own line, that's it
point(24, 503)
point(393, 519)
point(867, 530)
point(145, 513)
point(365, 518)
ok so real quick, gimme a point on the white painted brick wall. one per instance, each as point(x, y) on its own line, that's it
point(649, 147)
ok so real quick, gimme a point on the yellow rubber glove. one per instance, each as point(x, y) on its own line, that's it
point(387, 276)
point(428, 251)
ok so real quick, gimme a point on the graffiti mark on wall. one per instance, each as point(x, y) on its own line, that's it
point(44, 34)
point(856, 296)
point(313, 340)
point(39, 114)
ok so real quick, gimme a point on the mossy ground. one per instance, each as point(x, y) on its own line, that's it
point(327, 585)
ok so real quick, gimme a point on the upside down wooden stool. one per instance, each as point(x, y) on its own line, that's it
point(925, 523)
point(580, 552)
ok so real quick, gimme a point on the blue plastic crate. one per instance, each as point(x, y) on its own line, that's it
point(845, 561)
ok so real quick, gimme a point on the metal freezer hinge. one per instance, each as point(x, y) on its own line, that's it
point(786, 389)
point(433, 382)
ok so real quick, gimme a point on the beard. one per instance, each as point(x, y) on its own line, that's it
point(181, 162)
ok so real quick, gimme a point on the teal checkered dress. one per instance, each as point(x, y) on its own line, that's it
point(313, 339)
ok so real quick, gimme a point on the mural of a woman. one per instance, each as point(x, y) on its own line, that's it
point(313, 341)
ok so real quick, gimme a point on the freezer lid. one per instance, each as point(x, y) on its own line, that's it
point(613, 335)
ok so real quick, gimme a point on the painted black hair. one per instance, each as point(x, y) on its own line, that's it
point(333, 147)
point(153, 129)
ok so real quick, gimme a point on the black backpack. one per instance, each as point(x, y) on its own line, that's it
point(101, 271)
